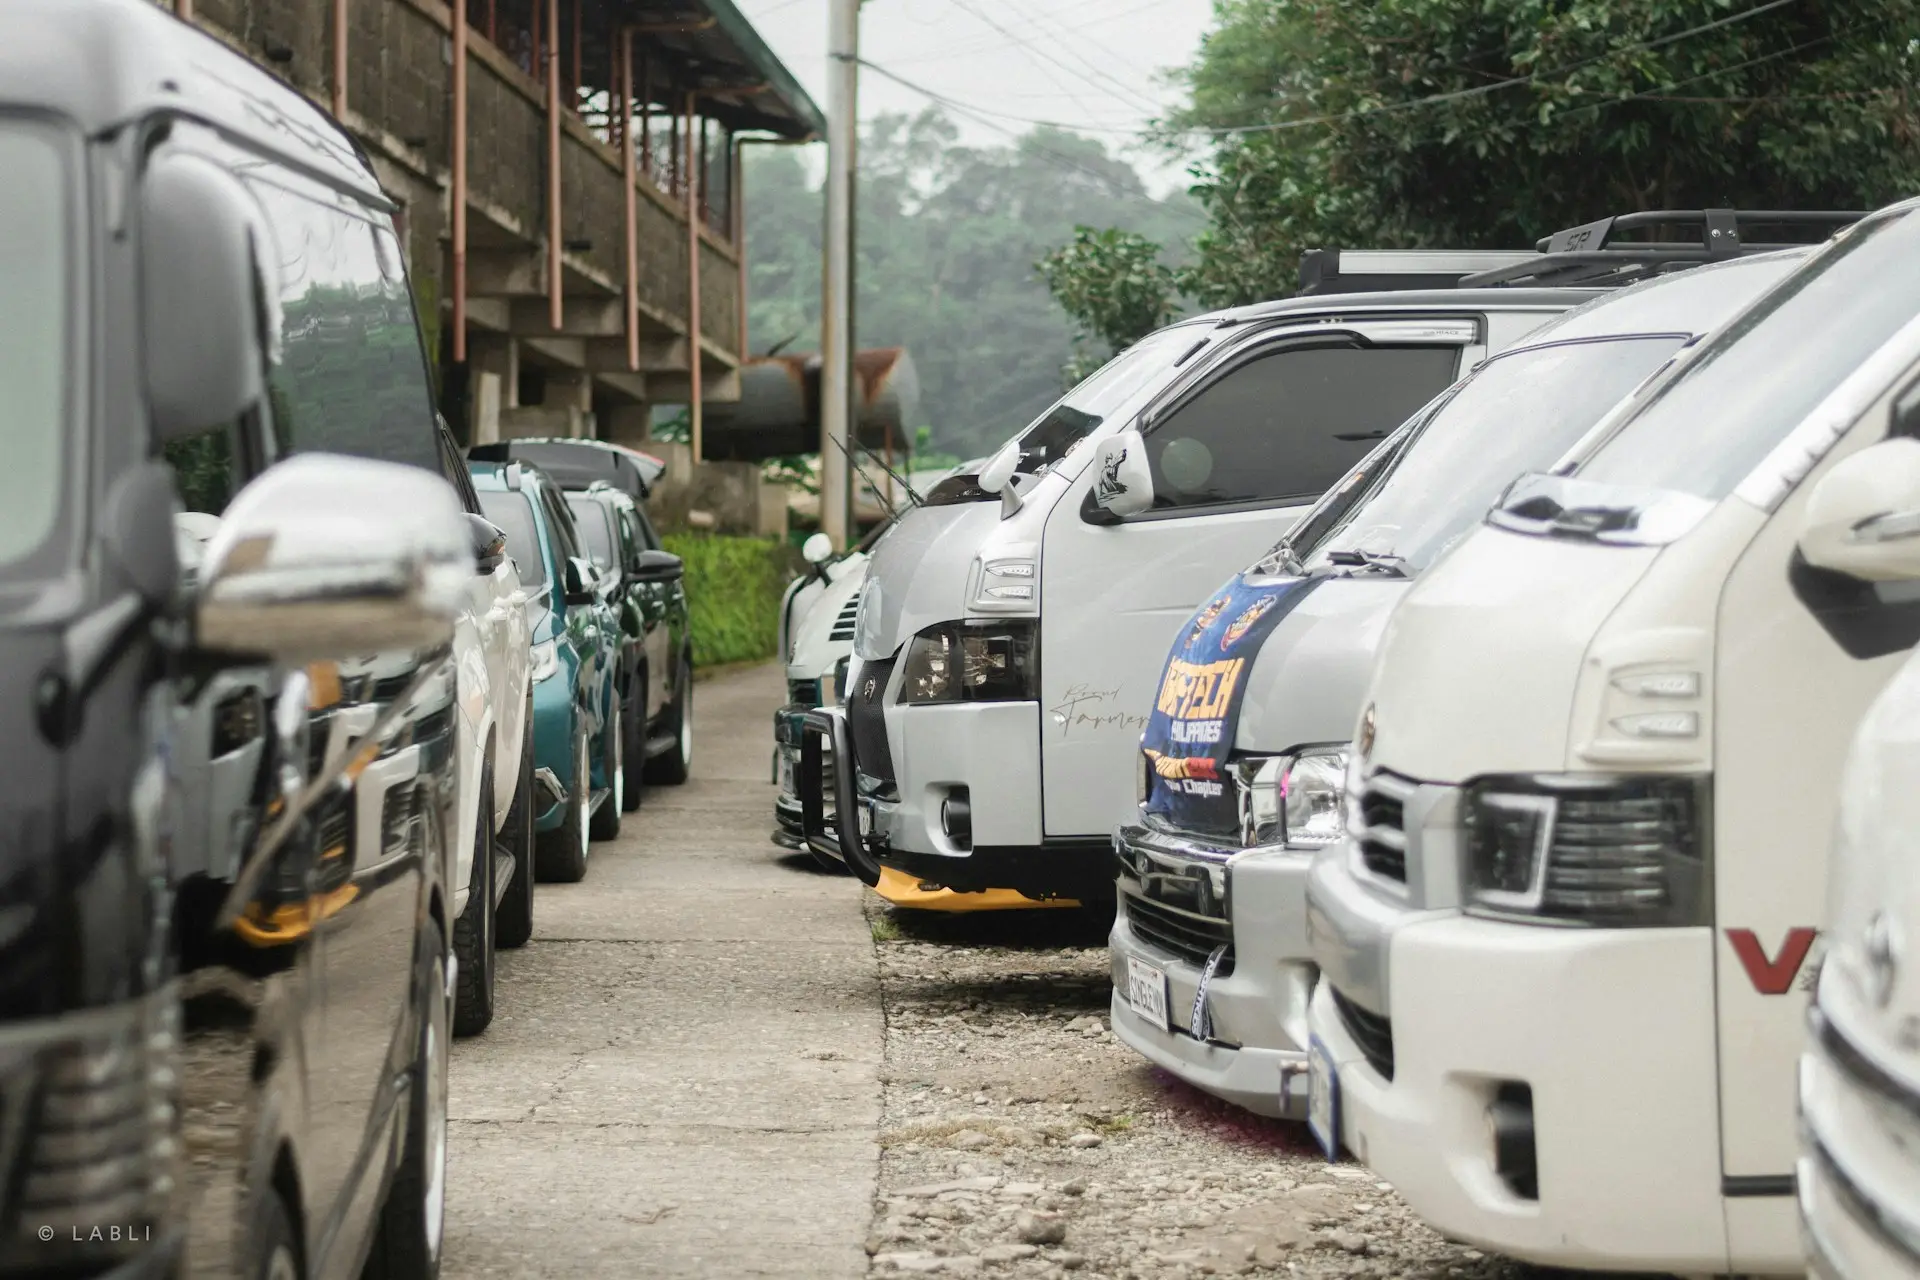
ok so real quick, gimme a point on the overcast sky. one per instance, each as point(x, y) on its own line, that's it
point(1092, 64)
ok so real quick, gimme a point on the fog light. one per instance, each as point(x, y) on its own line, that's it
point(1510, 1121)
point(956, 818)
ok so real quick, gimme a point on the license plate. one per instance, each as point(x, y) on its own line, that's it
point(1147, 991)
point(865, 821)
point(1323, 1098)
point(786, 774)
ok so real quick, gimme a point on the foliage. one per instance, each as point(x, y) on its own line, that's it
point(949, 235)
point(1114, 285)
point(1490, 123)
point(734, 587)
point(676, 428)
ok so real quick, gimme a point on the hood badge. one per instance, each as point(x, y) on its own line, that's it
point(1363, 741)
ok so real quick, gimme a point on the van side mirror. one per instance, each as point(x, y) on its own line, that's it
point(580, 581)
point(489, 543)
point(817, 549)
point(326, 557)
point(1863, 517)
point(201, 323)
point(1122, 480)
point(660, 566)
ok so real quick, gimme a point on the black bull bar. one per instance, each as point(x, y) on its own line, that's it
point(838, 844)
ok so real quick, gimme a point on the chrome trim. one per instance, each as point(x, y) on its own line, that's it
point(551, 781)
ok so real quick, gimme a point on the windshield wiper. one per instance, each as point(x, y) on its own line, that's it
point(1383, 562)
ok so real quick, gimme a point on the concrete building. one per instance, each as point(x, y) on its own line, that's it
point(569, 172)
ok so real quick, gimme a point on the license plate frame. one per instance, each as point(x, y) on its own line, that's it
point(1323, 1098)
point(1147, 992)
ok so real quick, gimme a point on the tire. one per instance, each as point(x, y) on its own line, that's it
point(473, 932)
point(513, 918)
point(407, 1238)
point(606, 819)
point(634, 745)
point(561, 854)
point(674, 767)
point(273, 1252)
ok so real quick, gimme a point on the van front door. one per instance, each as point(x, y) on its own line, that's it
point(1800, 654)
point(1236, 455)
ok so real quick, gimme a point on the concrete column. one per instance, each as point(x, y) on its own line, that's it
point(498, 354)
point(629, 424)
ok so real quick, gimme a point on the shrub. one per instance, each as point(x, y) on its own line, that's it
point(734, 587)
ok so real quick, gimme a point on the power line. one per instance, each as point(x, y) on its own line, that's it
point(1303, 122)
point(1025, 43)
point(1038, 148)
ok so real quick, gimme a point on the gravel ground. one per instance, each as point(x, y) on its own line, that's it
point(1020, 1138)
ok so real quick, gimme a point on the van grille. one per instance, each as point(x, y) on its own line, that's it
point(1381, 836)
point(843, 625)
point(1373, 1033)
point(867, 723)
point(803, 693)
point(1191, 937)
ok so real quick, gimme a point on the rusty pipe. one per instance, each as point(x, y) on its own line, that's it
point(183, 10)
point(632, 196)
point(459, 182)
point(737, 220)
point(556, 298)
point(693, 284)
point(339, 59)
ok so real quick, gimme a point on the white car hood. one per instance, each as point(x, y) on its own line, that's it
point(918, 574)
point(815, 651)
point(1309, 680)
point(1479, 664)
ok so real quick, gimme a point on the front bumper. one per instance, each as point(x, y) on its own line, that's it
point(1859, 1199)
point(987, 753)
point(1170, 917)
point(553, 713)
point(788, 730)
point(1612, 1031)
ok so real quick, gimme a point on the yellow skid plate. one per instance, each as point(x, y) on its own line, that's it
point(902, 890)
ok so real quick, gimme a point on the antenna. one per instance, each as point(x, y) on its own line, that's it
point(913, 498)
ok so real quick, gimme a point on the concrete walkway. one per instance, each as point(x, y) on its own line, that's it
point(682, 1077)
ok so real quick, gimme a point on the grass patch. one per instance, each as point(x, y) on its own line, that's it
point(884, 929)
point(734, 586)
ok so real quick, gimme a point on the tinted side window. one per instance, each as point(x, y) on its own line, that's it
point(566, 540)
point(515, 518)
point(648, 538)
point(591, 521)
point(351, 377)
point(1287, 424)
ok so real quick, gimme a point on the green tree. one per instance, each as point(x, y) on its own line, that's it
point(1114, 285)
point(949, 235)
point(1489, 123)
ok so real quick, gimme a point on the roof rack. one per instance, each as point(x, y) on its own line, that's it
point(1591, 255)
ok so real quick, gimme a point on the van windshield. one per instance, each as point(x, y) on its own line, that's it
point(1519, 411)
point(36, 264)
point(1142, 367)
point(1756, 380)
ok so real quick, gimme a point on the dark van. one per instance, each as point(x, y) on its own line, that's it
point(224, 691)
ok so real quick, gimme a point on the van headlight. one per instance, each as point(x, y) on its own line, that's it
point(980, 661)
point(546, 660)
point(1609, 851)
point(1292, 800)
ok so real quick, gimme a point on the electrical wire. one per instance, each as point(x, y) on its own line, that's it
point(1303, 122)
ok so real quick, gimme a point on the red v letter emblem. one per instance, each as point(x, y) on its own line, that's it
point(1772, 977)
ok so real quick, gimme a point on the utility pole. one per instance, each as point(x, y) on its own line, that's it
point(836, 312)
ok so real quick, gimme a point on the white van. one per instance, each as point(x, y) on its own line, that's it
point(1565, 943)
point(1860, 1075)
point(1211, 972)
point(1007, 646)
